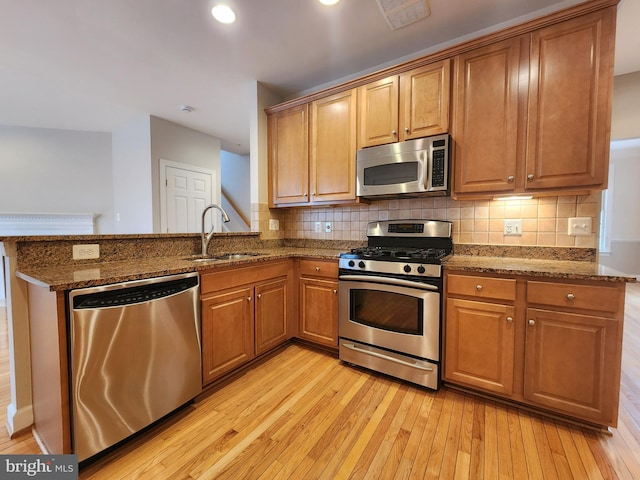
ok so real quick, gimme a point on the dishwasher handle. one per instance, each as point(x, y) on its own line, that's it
point(134, 294)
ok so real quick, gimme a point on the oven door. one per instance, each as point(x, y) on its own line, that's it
point(393, 314)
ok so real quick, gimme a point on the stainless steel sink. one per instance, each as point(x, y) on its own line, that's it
point(226, 256)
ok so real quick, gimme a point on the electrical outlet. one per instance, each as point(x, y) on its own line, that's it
point(579, 226)
point(318, 227)
point(84, 252)
point(328, 227)
point(513, 226)
point(274, 224)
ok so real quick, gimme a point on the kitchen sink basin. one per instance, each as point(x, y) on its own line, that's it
point(226, 256)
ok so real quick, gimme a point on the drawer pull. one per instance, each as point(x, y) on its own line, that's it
point(509, 319)
point(317, 269)
point(532, 322)
point(335, 291)
point(570, 296)
point(259, 296)
point(478, 287)
point(248, 299)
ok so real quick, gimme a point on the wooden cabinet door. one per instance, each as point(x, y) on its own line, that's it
point(570, 102)
point(479, 345)
point(487, 111)
point(319, 311)
point(227, 331)
point(378, 107)
point(333, 147)
point(289, 155)
point(271, 314)
point(571, 364)
point(424, 100)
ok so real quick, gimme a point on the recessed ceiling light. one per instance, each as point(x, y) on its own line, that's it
point(223, 13)
point(329, 2)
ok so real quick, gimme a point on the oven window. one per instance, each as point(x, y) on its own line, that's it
point(391, 173)
point(389, 311)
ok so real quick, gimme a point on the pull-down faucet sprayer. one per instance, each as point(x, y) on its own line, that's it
point(206, 238)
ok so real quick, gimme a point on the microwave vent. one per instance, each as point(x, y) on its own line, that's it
point(400, 13)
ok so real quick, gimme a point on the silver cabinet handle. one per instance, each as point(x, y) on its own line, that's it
point(335, 291)
point(248, 299)
point(510, 178)
point(570, 296)
point(259, 295)
point(478, 287)
point(393, 132)
point(317, 269)
point(532, 322)
point(406, 129)
point(530, 176)
point(509, 319)
point(305, 195)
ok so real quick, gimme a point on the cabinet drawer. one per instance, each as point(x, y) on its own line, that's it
point(590, 297)
point(319, 268)
point(482, 287)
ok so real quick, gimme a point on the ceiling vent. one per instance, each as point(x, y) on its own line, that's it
point(400, 13)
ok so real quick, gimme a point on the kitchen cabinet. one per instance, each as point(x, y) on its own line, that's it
point(318, 290)
point(289, 155)
point(313, 152)
point(572, 360)
point(552, 344)
point(533, 112)
point(401, 107)
point(246, 312)
point(480, 333)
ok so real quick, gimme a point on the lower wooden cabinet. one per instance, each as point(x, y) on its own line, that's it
point(246, 311)
point(552, 344)
point(481, 337)
point(318, 290)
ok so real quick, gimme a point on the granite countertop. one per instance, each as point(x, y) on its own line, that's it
point(569, 269)
point(80, 275)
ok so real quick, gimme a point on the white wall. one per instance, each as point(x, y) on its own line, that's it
point(56, 171)
point(170, 141)
point(235, 175)
point(132, 189)
point(625, 120)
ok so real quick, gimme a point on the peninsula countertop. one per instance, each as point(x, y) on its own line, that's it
point(80, 275)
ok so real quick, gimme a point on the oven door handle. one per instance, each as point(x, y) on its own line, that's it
point(351, 346)
point(388, 281)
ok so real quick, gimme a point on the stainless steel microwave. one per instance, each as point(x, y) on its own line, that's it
point(419, 166)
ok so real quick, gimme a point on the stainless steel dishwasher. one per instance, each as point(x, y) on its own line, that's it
point(134, 357)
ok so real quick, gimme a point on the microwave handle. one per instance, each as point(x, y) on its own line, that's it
point(388, 281)
point(427, 168)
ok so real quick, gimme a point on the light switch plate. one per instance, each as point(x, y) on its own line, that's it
point(328, 227)
point(579, 226)
point(274, 224)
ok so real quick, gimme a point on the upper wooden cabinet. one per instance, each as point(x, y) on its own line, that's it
point(533, 113)
point(289, 155)
point(333, 148)
point(401, 107)
point(312, 152)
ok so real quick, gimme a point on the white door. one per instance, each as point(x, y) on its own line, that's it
point(185, 191)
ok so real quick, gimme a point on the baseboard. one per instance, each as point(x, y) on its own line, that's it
point(18, 420)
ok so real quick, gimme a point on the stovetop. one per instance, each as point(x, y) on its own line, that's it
point(401, 248)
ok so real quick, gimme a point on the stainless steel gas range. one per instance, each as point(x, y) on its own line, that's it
point(390, 299)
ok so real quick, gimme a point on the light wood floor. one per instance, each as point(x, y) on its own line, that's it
point(304, 415)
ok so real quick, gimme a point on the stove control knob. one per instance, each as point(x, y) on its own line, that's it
point(407, 268)
point(421, 269)
point(361, 264)
point(352, 263)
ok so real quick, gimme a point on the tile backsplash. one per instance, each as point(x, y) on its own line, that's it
point(544, 220)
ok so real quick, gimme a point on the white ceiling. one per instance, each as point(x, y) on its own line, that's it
point(96, 65)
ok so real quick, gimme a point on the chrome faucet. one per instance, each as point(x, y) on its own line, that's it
point(207, 238)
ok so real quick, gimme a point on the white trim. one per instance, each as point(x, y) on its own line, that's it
point(15, 224)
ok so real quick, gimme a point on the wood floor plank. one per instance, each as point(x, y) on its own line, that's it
point(304, 414)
